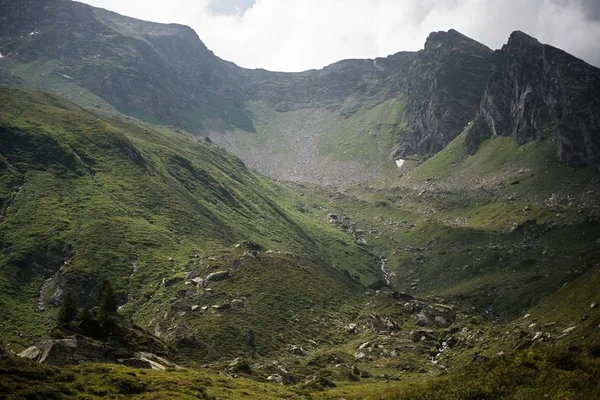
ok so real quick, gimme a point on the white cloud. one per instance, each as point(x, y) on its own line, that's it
point(294, 35)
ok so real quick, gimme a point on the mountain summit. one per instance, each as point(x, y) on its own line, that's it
point(537, 91)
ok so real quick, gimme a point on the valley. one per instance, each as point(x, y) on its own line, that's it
point(420, 226)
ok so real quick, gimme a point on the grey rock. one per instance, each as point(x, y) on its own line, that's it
point(275, 378)
point(569, 330)
point(217, 276)
point(423, 320)
point(237, 303)
point(444, 88)
point(192, 274)
point(198, 281)
point(136, 363)
point(441, 321)
point(351, 329)
point(537, 91)
point(298, 351)
point(75, 350)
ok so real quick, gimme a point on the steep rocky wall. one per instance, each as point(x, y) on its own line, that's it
point(537, 91)
point(443, 91)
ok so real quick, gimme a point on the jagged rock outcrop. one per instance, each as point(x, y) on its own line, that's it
point(75, 350)
point(443, 92)
point(79, 349)
point(538, 92)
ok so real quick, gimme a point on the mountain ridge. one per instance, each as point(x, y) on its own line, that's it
point(539, 92)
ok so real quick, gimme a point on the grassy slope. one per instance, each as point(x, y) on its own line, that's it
point(25, 379)
point(320, 144)
point(46, 75)
point(456, 225)
point(87, 196)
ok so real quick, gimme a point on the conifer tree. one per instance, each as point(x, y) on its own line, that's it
point(106, 299)
point(68, 310)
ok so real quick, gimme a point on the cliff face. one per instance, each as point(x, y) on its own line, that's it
point(537, 91)
point(165, 74)
point(360, 79)
point(443, 91)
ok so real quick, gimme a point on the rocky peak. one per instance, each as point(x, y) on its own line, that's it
point(452, 37)
point(520, 38)
point(444, 87)
point(536, 92)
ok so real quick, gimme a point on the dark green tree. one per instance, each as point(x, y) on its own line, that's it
point(106, 299)
point(85, 316)
point(68, 310)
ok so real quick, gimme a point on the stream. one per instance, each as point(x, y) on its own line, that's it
point(382, 266)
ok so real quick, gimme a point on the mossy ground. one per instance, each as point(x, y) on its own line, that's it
point(88, 196)
point(24, 379)
point(532, 374)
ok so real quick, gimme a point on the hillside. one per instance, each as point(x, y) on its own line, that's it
point(89, 196)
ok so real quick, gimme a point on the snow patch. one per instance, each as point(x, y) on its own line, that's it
point(1, 55)
point(399, 162)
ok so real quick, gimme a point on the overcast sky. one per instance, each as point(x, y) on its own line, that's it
point(295, 35)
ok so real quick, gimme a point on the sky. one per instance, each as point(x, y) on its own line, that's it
point(296, 35)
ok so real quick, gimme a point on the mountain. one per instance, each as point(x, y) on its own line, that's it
point(539, 92)
point(344, 124)
point(165, 74)
point(470, 271)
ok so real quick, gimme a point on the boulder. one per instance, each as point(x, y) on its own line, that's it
point(192, 274)
point(75, 350)
point(298, 351)
point(136, 363)
point(172, 281)
point(239, 365)
point(156, 362)
point(402, 296)
point(423, 320)
point(568, 330)
point(275, 378)
point(237, 303)
point(217, 276)
point(198, 281)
